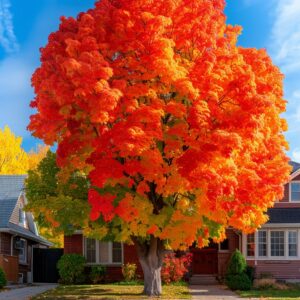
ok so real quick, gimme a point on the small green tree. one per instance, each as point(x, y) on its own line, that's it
point(236, 277)
point(237, 263)
point(3, 280)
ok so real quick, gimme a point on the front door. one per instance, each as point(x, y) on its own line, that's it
point(205, 261)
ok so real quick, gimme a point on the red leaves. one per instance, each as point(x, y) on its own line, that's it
point(101, 205)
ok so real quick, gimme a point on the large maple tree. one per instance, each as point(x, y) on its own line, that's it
point(177, 127)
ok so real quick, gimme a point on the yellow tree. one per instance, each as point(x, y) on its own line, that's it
point(13, 159)
point(34, 157)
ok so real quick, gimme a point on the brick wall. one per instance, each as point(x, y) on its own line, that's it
point(73, 244)
point(5, 243)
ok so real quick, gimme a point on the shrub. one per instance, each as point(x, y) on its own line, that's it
point(238, 275)
point(3, 280)
point(250, 271)
point(97, 274)
point(129, 272)
point(238, 282)
point(174, 268)
point(71, 268)
point(237, 263)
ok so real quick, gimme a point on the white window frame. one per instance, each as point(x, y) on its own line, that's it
point(290, 191)
point(21, 211)
point(286, 229)
point(21, 261)
point(110, 254)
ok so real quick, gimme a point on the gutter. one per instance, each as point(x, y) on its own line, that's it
point(15, 232)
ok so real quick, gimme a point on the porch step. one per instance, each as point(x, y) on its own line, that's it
point(203, 279)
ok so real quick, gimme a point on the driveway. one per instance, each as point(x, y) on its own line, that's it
point(24, 293)
point(212, 292)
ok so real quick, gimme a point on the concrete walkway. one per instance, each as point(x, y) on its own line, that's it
point(24, 293)
point(212, 292)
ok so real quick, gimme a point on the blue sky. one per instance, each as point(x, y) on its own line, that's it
point(25, 26)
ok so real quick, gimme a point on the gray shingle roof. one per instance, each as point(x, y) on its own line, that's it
point(11, 187)
point(283, 215)
point(295, 165)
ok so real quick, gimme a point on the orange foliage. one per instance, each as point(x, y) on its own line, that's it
point(179, 125)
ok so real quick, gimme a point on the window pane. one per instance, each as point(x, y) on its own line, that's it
point(262, 243)
point(117, 252)
point(295, 191)
point(103, 252)
point(224, 245)
point(250, 245)
point(277, 243)
point(90, 250)
point(293, 243)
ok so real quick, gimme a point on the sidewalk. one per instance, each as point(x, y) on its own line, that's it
point(24, 293)
point(212, 292)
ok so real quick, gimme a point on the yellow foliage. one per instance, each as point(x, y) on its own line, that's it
point(13, 159)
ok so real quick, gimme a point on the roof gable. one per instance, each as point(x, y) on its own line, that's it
point(11, 187)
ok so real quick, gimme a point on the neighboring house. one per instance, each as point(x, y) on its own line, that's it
point(18, 231)
point(275, 248)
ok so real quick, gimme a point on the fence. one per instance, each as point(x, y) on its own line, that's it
point(10, 265)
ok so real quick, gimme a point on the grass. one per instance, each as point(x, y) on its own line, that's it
point(293, 292)
point(111, 291)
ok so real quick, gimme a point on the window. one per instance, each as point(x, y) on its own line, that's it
point(103, 252)
point(277, 243)
point(292, 243)
point(116, 252)
point(91, 250)
point(250, 244)
point(22, 247)
point(295, 191)
point(262, 243)
point(224, 246)
point(22, 216)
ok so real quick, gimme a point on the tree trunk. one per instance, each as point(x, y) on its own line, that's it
point(150, 255)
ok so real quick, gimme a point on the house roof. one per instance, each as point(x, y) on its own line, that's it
point(11, 187)
point(295, 165)
point(283, 215)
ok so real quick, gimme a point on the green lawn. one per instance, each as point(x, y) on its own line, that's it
point(111, 291)
point(273, 294)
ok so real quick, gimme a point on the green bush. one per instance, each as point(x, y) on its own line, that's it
point(97, 273)
point(3, 280)
point(238, 275)
point(250, 271)
point(71, 268)
point(238, 282)
point(129, 271)
point(237, 263)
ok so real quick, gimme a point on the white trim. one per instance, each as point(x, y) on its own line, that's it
point(295, 174)
point(281, 225)
point(110, 258)
point(286, 256)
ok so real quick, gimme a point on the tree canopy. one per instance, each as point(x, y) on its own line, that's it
point(177, 127)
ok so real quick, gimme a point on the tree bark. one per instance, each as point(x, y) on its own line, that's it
point(151, 255)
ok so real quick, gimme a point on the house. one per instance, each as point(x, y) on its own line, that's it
point(274, 249)
point(18, 231)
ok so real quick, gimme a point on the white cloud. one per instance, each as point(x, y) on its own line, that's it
point(8, 39)
point(296, 155)
point(286, 35)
